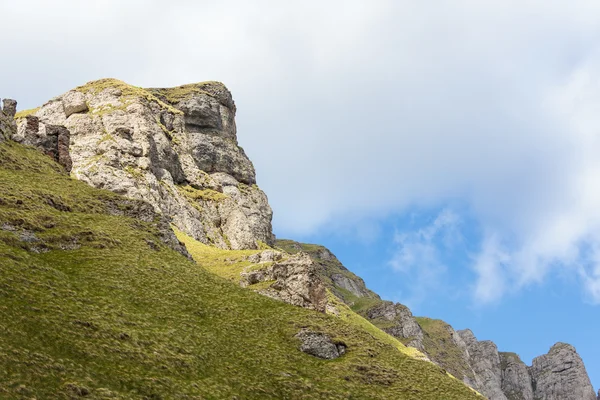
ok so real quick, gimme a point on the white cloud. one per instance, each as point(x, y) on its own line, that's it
point(354, 110)
point(418, 256)
point(489, 266)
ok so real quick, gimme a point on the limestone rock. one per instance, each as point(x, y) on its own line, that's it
point(404, 324)
point(516, 382)
point(560, 374)
point(265, 257)
point(74, 102)
point(293, 280)
point(342, 283)
point(175, 148)
point(320, 345)
point(485, 361)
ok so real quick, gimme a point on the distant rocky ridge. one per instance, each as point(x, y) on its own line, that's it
point(560, 374)
point(175, 148)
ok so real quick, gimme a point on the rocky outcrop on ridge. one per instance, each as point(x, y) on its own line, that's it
point(397, 320)
point(342, 283)
point(485, 362)
point(175, 148)
point(560, 374)
point(292, 280)
point(53, 140)
point(8, 127)
point(516, 382)
point(479, 364)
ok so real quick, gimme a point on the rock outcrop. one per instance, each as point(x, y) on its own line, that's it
point(320, 345)
point(560, 374)
point(175, 148)
point(53, 140)
point(397, 320)
point(344, 284)
point(516, 383)
point(8, 127)
point(485, 362)
point(293, 280)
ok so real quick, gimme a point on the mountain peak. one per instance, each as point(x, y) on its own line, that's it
point(175, 148)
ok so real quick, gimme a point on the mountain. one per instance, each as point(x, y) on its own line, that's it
point(107, 193)
point(560, 374)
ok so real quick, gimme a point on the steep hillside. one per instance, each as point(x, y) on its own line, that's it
point(101, 272)
point(96, 303)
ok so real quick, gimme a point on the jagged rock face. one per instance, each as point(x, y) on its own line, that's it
point(342, 283)
point(404, 324)
point(293, 280)
point(8, 127)
point(174, 148)
point(560, 374)
point(485, 361)
point(516, 382)
point(53, 140)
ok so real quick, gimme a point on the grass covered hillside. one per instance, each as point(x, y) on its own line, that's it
point(93, 305)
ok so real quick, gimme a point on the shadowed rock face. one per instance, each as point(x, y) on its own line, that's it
point(485, 362)
point(516, 383)
point(175, 148)
point(560, 374)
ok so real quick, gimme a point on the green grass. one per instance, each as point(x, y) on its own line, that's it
point(24, 113)
point(194, 194)
point(92, 310)
point(128, 92)
point(176, 94)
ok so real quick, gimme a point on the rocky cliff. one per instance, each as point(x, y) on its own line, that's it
point(560, 374)
point(175, 148)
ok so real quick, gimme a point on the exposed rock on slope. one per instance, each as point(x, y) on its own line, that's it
point(485, 362)
point(398, 321)
point(516, 383)
point(7, 123)
point(174, 148)
point(343, 283)
point(292, 280)
point(560, 374)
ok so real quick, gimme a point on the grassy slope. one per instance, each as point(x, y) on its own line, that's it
point(439, 345)
point(114, 318)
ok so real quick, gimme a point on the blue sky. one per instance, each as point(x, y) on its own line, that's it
point(447, 154)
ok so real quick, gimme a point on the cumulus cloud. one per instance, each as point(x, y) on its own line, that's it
point(355, 110)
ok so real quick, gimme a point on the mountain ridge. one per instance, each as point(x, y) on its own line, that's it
point(176, 149)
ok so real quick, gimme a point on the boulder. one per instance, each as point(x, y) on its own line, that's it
point(320, 345)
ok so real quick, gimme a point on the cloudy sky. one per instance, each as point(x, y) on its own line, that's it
point(448, 152)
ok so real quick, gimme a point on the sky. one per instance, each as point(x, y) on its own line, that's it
point(447, 152)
